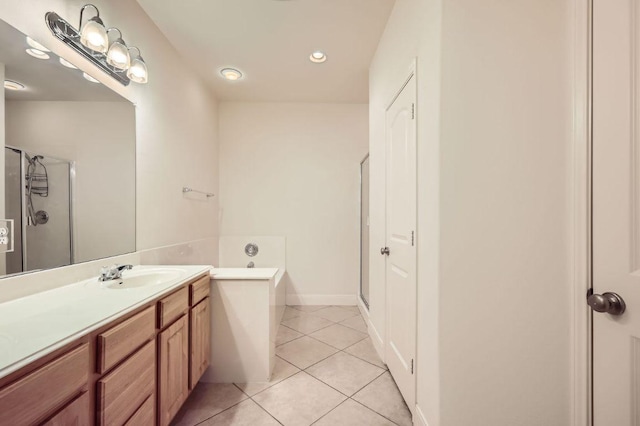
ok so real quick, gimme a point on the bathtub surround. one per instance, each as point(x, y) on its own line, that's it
point(292, 170)
point(176, 131)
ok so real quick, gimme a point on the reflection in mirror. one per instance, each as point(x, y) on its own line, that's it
point(69, 161)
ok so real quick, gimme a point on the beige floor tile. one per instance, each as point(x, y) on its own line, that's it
point(383, 396)
point(365, 350)
point(308, 308)
point(286, 334)
point(207, 400)
point(306, 323)
point(351, 413)
point(247, 413)
point(352, 308)
point(281, 370)
point(304, 352)
point(334, 313)
point(345, 372)
point(289, 313)
point(338, 336)
point(299, 400)
point(357, 323)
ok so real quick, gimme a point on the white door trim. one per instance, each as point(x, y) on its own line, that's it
point(581, 385)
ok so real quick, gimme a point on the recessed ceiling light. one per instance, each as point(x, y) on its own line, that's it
point(231, 74)
point(67, 64)
point(31, 42)
point(88, 77)
point(318, 57)
point(13, 85)
point(37, 54)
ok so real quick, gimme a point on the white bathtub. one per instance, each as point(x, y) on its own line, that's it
point(247, 305)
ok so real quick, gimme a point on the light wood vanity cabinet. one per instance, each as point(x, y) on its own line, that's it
point(40, 394)
point(173, 375)
point(137, 370)
point(200, 317)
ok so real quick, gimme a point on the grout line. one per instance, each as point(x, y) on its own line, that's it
point(327, 413)
point(265, 410)
point(228, 408)
point(369, 408)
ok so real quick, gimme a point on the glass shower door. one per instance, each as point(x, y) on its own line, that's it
point(38, 199)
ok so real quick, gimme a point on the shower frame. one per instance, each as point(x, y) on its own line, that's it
point(23, 204)
point(364, 299)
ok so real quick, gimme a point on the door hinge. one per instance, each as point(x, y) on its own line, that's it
point(412, 238)
point(413, 111)
point(411, 366)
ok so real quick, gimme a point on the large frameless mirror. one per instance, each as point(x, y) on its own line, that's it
point(69, 161)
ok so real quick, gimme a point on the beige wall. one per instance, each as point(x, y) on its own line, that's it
point(506, 122)
point(176, 122)
point(292, 170)
point(494, 115)
point(412, 33)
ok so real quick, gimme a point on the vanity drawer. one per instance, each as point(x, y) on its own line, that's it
point(145, 415)
point(118, 342)
point(78, 413)
point(172, 307)
point(38, 395)
point(200, 290)
point(122, 392)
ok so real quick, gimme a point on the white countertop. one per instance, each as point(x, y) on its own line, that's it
point(243, 273)
point(33, 326)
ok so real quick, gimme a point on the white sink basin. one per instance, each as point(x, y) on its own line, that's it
point(141, 277)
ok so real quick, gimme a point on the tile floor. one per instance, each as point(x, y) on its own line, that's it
point(327, 373)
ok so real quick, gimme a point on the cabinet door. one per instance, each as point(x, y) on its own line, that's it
point(174, 369)
point(200, 317)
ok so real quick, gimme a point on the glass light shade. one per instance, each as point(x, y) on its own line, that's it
point(137, 72)
point(94, 35)
point(118, 55)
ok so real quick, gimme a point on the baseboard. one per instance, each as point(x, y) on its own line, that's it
point(322, 299)
point(376, 339)
point(419, 419)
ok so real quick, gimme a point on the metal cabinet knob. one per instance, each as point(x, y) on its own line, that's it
point(384, 250)
point(610, 303)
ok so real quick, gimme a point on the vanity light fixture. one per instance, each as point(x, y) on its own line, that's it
point(138, 69)
point(13, 85)
point(34, 44)
point(118, 54)
point(93, 34)
point(92, 42)
point(231, 74)
point(89, 78)
point(37, 53)
point(67, 64)
point(318, 57)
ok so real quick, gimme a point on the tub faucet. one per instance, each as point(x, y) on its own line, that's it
point(114, 272)
point(251, 265)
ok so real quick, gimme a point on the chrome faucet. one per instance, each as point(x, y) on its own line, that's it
point(114, 272)
point(251, 265)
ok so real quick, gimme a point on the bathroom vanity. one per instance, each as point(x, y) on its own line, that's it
point(135, 367)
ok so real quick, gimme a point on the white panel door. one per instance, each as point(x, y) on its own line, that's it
point(400, 239)
point(616, 210)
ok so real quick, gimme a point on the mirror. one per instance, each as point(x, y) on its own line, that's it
point(69, 161)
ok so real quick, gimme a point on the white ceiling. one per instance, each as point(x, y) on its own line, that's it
point(270, 42)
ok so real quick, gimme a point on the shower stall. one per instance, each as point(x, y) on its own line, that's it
point(38, 198)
